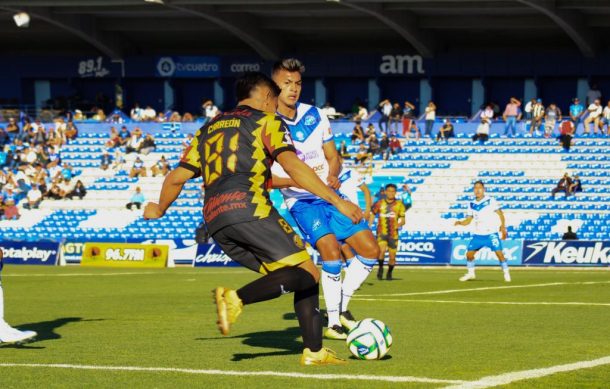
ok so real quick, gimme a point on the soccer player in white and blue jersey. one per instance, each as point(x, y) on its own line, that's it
point(486, 214)
point(322, 226)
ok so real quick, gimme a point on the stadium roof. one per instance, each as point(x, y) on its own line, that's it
point(270, 28)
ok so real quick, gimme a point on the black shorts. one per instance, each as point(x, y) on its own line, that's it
point(390, 240)
point(262, 245)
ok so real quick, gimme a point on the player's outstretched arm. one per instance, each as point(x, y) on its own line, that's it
point(502, 224)
point(172, 186)
point(307, 179)
point(282, 182)
point(464, 222)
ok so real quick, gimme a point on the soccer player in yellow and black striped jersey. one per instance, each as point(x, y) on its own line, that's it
point(391, 213)
point(233, 153)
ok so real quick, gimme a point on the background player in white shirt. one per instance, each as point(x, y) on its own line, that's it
point(486, 214)
point(322, 226)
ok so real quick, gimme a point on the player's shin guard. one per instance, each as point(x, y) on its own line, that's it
point(307, 308)
point(276, 283)
point(355, 275)
point(331, 286)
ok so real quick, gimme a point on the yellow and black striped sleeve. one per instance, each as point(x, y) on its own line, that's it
point(191, 160)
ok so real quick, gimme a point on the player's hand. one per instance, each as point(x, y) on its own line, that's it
point(367, 215)
point(457, 223)
point(333, 182)
point(152, 211)
point(503, 233)
point(350, 210)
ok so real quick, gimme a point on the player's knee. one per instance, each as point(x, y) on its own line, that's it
point(328, 249)
point(311, 268)
point(470, 255)
point(369, 249)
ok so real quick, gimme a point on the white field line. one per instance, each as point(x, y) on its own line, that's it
point(487, 302)
point(507, 378)
point(449, 291)
point(214, 372)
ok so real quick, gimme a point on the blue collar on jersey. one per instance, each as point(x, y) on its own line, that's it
point(305, 126)
point(481, 205)
point(296, 113)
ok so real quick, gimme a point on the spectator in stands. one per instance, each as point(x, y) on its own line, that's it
point(11, 212)
point(329, 111)
point(357, 134)
point(124, 135)
point(576, 112)
point(411, 129)
point(136, 113)
point(105, 160)
point(115, 139)
point(567, 129)
point(395, 146)
point(209, 110)
point(34, 198)
point(79, 191)
point(482, 134)
point(595, 112)
point(66, 187)
point(149, 114)
point(370, 131)
point(488, 112)
point(408, 110)
point(148, 145)
point(187, 117)
point(342, 150)
point(395, 117)
point(593, 94)
point(553, 114)
point(78, 115)
point(563, 185)
point(385, 110)
point(362, 155)
point(576, 185)
point(118, 160)
point(405, 196)
point(510, 116)
point(160, 167)
point(135, 141)
point(384, 146)
point(54, 193)
point(430, 118)
point(374, 146)
point(66, 171)
point(12, 127)
point(98, 115)
point(605, 120)
point(137, 199)
point(569, 235)
point(4, 138)
point(537, 116)
point(175, 117)
point(71, 131)
point(362, 113)
point(529, 106)
point(446, 131)
point(138, 169)
point(161, 118)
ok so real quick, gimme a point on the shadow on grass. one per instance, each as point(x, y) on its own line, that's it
point(45, 330)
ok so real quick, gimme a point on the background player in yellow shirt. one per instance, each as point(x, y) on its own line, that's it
point(391, 213)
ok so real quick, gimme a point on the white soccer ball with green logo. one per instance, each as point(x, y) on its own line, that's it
point(370, 339)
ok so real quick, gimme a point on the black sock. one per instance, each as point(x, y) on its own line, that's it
point(390, 268)
point(380, 262)
point(307, 308)
point(276, 283)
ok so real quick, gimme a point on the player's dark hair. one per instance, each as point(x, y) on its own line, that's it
point(479, 182)
point(289, 64)
point(252, 80)
point(391, 186)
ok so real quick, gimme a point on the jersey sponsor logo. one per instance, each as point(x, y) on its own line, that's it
point(309, 120)
point(212, 255)
point(567, 253)
point(223, 202)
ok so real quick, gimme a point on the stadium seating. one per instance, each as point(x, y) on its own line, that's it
point(519, 172)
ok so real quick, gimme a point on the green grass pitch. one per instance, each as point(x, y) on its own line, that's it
point(445, 332)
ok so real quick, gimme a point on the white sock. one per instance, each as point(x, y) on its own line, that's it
point(470, 266)
point(3, 325)
point(356, 273)
point(331, 287)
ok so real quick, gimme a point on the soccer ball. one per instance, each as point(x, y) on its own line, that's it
point(370, 339)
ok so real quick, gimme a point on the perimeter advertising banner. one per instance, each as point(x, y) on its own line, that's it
point(423, 252)
point(125, 255)
point(30, 253)
point(512, 249)
point(566, 253)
